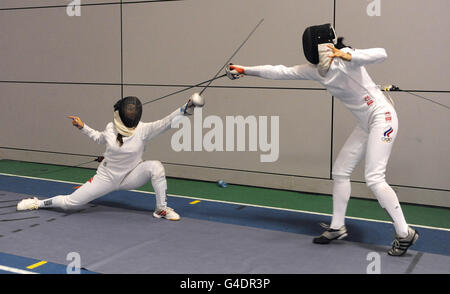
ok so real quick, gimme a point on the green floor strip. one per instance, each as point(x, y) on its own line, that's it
point(361, 208)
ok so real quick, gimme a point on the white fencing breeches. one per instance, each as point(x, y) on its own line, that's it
point(97, 187)
point(375, 145)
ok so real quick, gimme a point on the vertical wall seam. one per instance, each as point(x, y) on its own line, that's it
point(332, 107)
point(121, 48)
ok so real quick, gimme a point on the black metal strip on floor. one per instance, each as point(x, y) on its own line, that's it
point(414, 262)
point(14, 212)
point(11, 212)
point(18, 219)
point(8, 206)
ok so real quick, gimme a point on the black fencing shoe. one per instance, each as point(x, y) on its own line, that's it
point(330, 235)
point(401, 245)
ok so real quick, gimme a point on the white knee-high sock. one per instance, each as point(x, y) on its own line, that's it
point(341, 195)
point(389, 201)
point(54, 202)
point(160, 187)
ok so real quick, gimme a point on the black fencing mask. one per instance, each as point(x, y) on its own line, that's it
point(130, 111)
point(315, 35)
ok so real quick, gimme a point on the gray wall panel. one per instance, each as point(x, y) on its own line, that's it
point(38, 117)
point(48, 45)
point(40, 3)
point(187, 41)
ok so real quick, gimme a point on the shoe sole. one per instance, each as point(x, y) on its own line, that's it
point(342, 236)
point(24, 209)
point(317, 241)
point(171, 219)
point(329, 240)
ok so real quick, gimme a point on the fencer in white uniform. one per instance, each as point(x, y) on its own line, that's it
point(122, 167)
point(343, 74)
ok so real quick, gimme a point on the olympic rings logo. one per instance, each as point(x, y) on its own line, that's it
point(387, 135)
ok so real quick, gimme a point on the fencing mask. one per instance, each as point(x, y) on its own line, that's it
point(127, 114)
point(315, 35)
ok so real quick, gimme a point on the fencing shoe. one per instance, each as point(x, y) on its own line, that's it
point(167, 213)
point(330, 235)
point(401, 245)
point(28, 204)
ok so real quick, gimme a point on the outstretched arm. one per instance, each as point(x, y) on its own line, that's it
point(97, 136)
point(277, 72)
point(153, 129)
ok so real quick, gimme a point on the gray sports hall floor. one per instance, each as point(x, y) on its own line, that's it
point(121, 240)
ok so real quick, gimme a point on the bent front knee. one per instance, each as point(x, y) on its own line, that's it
point(157, 170)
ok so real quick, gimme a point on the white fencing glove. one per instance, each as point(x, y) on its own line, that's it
point(194, 101)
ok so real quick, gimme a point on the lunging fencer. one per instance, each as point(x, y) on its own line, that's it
point(122, 167)
point(341, 69)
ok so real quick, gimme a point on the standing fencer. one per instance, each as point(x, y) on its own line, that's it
point(343, 73)
point(122, 167)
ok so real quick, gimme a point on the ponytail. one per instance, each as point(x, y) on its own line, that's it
point(339, 45)
point(119, 139)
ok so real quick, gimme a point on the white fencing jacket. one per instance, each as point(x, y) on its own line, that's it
point(346, 80)
point(120, 160)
